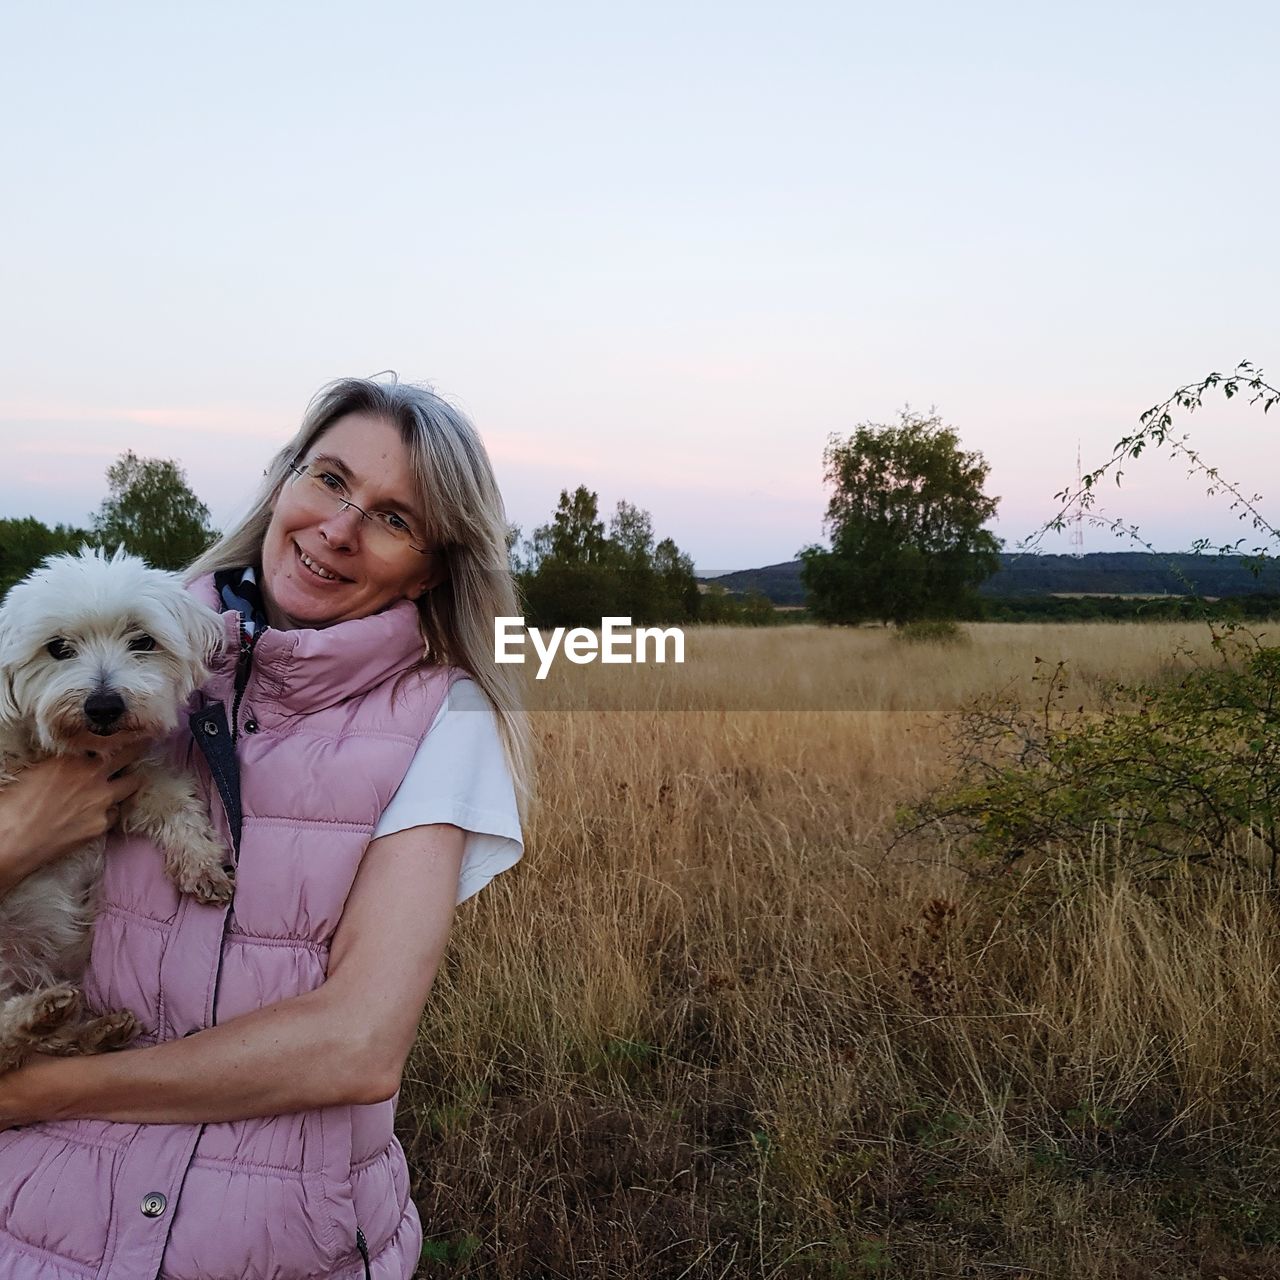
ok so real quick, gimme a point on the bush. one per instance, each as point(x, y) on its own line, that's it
point(931, 631)
point(1183, 771)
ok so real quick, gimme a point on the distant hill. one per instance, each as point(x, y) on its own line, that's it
point(780, 582)
point(1102, 573)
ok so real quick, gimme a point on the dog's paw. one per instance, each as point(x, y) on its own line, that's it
point(50, 1010)
point(212, 885)
point(199, 868)
point(110, 1031)
point(95, 1035)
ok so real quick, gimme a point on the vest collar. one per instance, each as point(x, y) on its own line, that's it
point(308, 669)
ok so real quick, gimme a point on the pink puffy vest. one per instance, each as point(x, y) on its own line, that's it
point(327, 732)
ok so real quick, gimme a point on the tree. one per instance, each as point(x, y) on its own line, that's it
point(25, 542)
point(152, 512)
point(678, 595)
point(630, 557)
point(572, 574)
point(566, 580)
point(905, 518)
point(576, 532)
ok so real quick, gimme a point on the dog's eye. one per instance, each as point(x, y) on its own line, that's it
point(60, 649)
point(142, 644)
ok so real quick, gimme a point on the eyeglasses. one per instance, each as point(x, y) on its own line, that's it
point(325, 491)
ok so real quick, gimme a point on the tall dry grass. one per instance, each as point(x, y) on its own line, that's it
point(710, 1027)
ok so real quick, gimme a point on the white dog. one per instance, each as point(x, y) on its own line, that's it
point(91, 645)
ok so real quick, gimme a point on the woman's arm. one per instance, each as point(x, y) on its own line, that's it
point(59, 804)
point(345, 1042)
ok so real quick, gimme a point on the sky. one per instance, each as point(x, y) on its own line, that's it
point(663, 250)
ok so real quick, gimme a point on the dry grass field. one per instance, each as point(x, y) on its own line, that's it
point(713, 1027)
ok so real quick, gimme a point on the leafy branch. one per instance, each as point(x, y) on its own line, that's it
point(1155, 430)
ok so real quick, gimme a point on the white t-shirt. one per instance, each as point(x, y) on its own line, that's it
point(460, 775)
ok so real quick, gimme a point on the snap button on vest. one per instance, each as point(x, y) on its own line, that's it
point(154, 1205)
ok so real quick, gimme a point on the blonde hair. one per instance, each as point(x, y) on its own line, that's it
point(465, 518)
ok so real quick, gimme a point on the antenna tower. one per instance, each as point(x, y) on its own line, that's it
point(1077, 513)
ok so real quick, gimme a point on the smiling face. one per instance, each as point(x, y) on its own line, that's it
point(322, 565)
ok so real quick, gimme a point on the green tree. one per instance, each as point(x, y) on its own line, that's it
point(26, 541)
point(905, 518)
point(151, 511)
point(630, 556)
point(679, 598)
point(576, 532)
point(572, 574)
point(566, 580)
point(719, 606)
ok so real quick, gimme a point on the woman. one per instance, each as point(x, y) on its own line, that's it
point(250, 1135)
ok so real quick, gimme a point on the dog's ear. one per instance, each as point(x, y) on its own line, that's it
point(190, 632)
point(204, 634)
point(8, 702)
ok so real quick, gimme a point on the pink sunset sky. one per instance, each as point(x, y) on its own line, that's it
point(663, 251)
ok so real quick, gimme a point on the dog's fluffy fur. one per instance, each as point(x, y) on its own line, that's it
point(83, 633)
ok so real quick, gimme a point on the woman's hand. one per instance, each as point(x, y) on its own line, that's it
point(353, 1032)
point(61, 803)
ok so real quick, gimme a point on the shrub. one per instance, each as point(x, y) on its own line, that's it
point(1185, 770)
point(931, 631)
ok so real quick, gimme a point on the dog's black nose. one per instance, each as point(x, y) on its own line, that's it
point(102, 710)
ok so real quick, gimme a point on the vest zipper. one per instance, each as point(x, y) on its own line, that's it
point(363, 1245)
point(244, 664)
